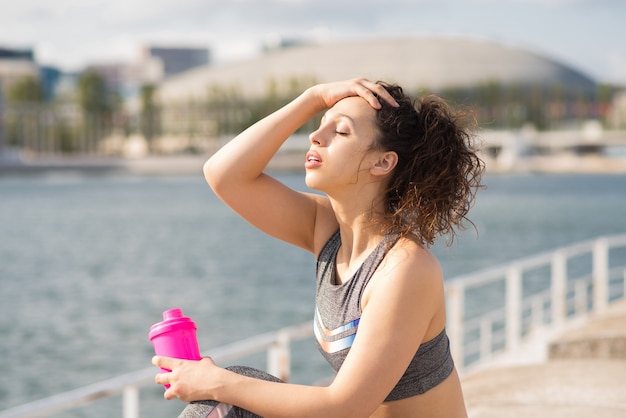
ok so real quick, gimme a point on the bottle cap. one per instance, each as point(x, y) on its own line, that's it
point(173, 319)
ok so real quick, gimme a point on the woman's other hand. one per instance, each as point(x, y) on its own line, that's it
point(189, 380)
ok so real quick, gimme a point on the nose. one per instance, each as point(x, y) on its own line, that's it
point(314, 137)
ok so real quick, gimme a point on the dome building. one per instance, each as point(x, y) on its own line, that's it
point(414, 63)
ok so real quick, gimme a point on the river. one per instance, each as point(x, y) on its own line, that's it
point(89, 262)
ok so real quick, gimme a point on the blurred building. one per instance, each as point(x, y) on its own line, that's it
point(177, 60)
point(618, 112)
point(17, 54)
point(432, 63)
point(154, 65)
point(15, 65)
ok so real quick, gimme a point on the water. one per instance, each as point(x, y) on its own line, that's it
point(88, 263)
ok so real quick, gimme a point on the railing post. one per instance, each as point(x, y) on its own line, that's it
point(486, 339)
point(559, 288)
point(600, 275)
point(581, 298)
point(278, 357)
point(130, 401)
point(455, 321)
point(513, 307)
point(536, 313)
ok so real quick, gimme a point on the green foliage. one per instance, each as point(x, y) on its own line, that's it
point(233, 112)
point(98, 103)
point(93, 94)
point(26, 90)
point(502, 106)
point(66, 140)
point(226, 110)
point(149, 118)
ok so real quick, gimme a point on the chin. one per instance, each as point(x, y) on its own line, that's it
point(309, 180)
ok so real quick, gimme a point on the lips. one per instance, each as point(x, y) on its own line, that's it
point(313, 160)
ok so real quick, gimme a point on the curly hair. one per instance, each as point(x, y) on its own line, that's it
point(438, 173)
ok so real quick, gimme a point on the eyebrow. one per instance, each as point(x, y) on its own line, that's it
point(338, 116)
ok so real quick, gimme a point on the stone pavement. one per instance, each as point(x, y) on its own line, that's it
point(584, 375)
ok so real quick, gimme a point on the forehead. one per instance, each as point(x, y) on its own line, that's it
point(354, 108)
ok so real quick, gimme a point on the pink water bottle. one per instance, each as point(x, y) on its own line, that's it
point(175, 337)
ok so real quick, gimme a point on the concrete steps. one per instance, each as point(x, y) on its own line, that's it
point(602, 337)
point(584, 376)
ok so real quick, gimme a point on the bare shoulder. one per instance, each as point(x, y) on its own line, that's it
point(409, 281)
point(410, 261)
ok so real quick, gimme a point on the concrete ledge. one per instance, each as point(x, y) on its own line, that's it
point(602, 337)
point(572, 389)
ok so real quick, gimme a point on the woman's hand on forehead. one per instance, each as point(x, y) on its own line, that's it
point(370, 91)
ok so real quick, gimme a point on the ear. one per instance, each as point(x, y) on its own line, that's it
point(385, 164)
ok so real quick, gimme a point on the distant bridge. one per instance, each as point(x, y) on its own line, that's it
point(590, 149)
point(529, 149)
point(591, 139)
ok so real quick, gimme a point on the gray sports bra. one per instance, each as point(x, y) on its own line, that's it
point(337, 316)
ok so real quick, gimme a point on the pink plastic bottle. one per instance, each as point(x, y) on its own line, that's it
point(175, 337)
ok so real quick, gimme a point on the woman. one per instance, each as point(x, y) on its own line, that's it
point(395, 175)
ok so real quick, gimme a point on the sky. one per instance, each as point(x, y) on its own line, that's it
point(589, 35)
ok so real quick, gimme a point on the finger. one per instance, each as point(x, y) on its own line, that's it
point(388, 98)
point(169, 395)
point(373, 93)
point(163, 362)
point(370, 98)
point(382, 93)
point(365, 89)
point(160, 379)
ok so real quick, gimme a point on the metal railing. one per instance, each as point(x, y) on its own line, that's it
point(544, 291)
point(275, 343)
point(522, 297)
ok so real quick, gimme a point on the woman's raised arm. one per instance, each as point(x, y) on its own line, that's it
point(235, 172)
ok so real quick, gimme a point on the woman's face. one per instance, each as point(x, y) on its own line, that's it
point(340, 152)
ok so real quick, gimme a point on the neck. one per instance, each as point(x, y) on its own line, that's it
point(358, 236)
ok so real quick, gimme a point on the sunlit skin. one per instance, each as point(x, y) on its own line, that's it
point(338, 152)
point(403, 304)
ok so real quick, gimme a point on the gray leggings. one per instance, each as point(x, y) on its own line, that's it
point(214, 409)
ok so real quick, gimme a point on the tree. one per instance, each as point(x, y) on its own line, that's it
point(97, 103)
point(93, 94)
point(26, 90)
point(149, 122)
point(23, 122)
